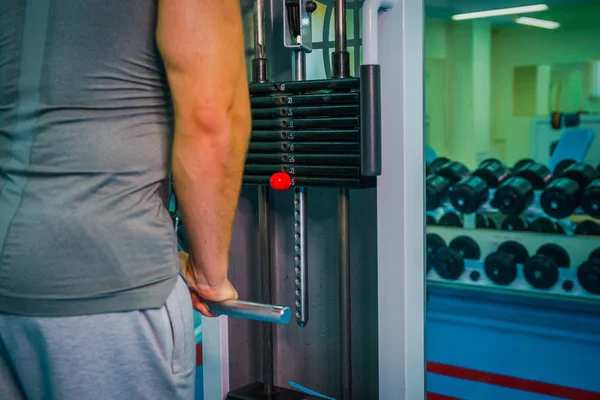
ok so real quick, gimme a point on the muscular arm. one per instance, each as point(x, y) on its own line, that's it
point(202, 45)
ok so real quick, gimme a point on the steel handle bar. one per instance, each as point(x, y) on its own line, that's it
point(250, 310)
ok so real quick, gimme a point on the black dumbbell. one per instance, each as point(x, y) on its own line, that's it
point(453, 171)
point(472, 192)
point(560, 168)
point(562, 197)
point(545, 225)
point(466, 247)
point(514, 196)
point(434, 242)
point(483, 221)
point(588, 228)
point(433, 166)
point(451, 219)
point(493, 172)
point(588, 273)
point(590, 202)
point(537, 174)
point(514, 223)
point(541, 270)
point(469, 194)
point(436, 191)
point(448, 263)
point(501, 265)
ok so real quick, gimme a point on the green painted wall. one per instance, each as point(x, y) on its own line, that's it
point(471, 108)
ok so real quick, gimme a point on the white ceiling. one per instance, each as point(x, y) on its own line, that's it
point(478, 5)
point(446, 8)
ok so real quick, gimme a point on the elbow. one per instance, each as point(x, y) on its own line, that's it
point(205, 122)
point(217, 123)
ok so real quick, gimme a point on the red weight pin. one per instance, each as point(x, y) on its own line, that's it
point(281, 181)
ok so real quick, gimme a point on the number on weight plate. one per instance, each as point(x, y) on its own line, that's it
point(290, 112)
point(293, 182)
point(292, 147)
point(290, 136)
point(291, 124)
point(292, 159)
point(290, 100)
point(292, 171)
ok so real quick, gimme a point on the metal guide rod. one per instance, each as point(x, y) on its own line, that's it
point(341, 57)
point(259, 63)
point(264, 211)
point(260, 74)
point(300, 226)
point(345, 299)
point(259, 28)
point(341, 69)
point(340, 26)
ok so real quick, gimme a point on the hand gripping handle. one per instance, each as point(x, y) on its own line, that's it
point(250, 310)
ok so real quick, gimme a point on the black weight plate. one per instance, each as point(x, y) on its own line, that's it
point(484, 222)
point(595, 255)
point(560, 168)
point(515, 248)
point(588, 275)
point(436, 191)
point(591, 199)
point(429, 220)
point(501, 268)
point(451, 219)
point(513, 196)
point(466, 247)
point(448, 263)
point(541, 272)
point(560, 198)
point(434, 242)
point(588, 228)
point(514, 223)
point(437, 164)
point(556, 253)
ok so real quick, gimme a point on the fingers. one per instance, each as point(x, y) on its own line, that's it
point(201, 306)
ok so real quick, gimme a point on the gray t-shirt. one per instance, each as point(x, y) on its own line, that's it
point(86, 128)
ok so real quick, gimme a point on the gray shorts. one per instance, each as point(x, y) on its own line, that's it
point(136, 355)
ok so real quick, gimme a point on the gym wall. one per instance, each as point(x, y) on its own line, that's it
point(471, 94)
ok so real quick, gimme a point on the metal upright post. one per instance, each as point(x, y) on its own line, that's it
point(260, 74)
point(341, 69)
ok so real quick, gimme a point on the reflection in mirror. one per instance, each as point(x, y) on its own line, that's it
point(512, 129)
point(541, 89)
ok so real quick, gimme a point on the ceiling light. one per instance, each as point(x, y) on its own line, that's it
point(501, 11)
point(538, 23)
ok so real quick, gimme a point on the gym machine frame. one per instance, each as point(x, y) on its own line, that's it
point(397, 213)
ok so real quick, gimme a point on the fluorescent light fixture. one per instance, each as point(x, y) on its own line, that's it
point(501, 11)
point(538, 23)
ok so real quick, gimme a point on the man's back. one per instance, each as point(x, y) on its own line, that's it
point(85, 140)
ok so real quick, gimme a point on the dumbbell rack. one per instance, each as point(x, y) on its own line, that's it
point(571, 275)
point(474, 275)
point(469, 221)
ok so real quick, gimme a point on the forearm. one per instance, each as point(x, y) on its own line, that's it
point(208, 162)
